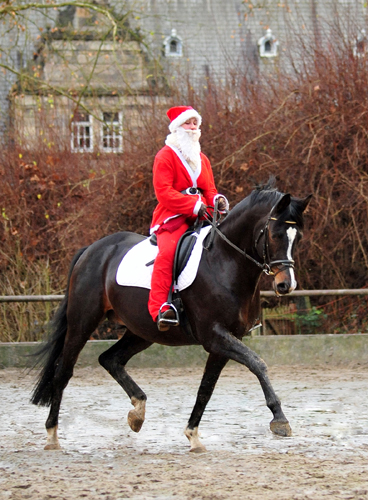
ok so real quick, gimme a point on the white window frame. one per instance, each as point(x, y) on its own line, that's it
point(268, 39)
point(115, 133)
point(79, 134)
point(179, 44)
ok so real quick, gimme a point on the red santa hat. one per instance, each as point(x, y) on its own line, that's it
point(180, 114)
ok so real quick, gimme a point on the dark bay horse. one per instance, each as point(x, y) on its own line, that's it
point(259, 235)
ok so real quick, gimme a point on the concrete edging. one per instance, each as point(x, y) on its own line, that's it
point(309, 350)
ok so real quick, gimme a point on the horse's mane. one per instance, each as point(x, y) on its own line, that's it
point(268, 195)
point(261, 195)
point(265, 193)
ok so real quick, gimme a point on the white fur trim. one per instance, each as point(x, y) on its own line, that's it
point(221, 196)
point(193, 174)
point(197, 206)
point(183, 117)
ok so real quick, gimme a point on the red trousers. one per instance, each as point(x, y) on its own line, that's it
point(162, 269)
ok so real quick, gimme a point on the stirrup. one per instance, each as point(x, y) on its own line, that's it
point(166, 321)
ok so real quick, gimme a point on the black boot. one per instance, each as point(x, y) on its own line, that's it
point(166, 319)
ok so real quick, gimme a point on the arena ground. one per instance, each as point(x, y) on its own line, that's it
point(327, 457)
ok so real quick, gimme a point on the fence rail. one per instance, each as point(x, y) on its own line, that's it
point(285, 318)
point(31, 298)
point(267, 293)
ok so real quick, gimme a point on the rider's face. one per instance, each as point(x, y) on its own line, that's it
point(191, 124)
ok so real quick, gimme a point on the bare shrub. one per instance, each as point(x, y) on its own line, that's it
point(309, 128)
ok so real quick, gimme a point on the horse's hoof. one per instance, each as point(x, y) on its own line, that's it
point(195, 443)
point(135, 421)
point(281, 428)
point(54, 446)
point(198, 449)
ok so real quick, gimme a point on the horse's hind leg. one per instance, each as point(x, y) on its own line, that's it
point(214, 366)
point(114, 361)
point(76, 338)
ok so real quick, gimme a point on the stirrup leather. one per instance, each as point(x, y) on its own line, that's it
point(167, 321)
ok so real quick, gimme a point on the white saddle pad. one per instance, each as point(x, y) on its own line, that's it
point(132, 270)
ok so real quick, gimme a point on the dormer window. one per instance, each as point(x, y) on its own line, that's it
point(360, 47)
point(173, 45)
point(268, 45)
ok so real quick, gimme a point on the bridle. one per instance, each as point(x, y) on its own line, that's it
point(267, 264)
point(281, 264)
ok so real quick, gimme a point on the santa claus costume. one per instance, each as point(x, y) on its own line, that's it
point(183, 182)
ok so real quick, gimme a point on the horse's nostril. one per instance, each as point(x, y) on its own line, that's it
point(282, 287)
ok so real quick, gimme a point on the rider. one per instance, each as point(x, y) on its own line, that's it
point(184, 186)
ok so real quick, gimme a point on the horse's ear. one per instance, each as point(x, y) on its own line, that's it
point(305, 201)
point(282, 204)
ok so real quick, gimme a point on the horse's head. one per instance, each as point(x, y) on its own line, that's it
point(277, 240)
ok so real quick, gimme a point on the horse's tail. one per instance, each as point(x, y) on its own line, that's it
point(49, 353)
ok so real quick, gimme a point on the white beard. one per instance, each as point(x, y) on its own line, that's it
point(187, 141)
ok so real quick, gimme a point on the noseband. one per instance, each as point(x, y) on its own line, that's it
point(267, 264)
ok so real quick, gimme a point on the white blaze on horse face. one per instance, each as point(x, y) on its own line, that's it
point(291, 234)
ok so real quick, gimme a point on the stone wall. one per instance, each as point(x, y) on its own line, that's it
point(17, 49)
point(308, 350)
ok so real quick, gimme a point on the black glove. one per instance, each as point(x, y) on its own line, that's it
point(221, 203)
point(202, 210)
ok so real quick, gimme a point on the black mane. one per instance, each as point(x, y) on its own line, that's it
point(265, 194)
point(268, 195)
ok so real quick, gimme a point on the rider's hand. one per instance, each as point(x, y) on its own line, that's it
point(202, 210)
point(221, 203)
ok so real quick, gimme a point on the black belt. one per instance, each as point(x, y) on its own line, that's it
point(192, 190)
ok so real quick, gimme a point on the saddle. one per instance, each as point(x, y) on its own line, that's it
point(183, 250)
point(182, 254)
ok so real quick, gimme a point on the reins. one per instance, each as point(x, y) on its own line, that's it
point(267, 264)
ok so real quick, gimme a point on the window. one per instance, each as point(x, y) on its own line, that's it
point(173, 45)
point(268, 45)
point(82, 133)
point(112, 132)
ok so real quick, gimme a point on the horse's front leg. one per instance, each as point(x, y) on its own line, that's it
point(114, 361)
point(214, 366)
point(225, 344)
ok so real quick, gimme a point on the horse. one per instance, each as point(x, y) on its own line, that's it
point(259, 235)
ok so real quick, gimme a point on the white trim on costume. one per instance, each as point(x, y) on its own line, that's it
point(197, 206)
point(193, 175)
point(183, 117)
point(221, 196)
point(157, 226)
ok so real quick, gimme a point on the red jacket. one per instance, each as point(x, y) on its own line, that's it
point(170, 177)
